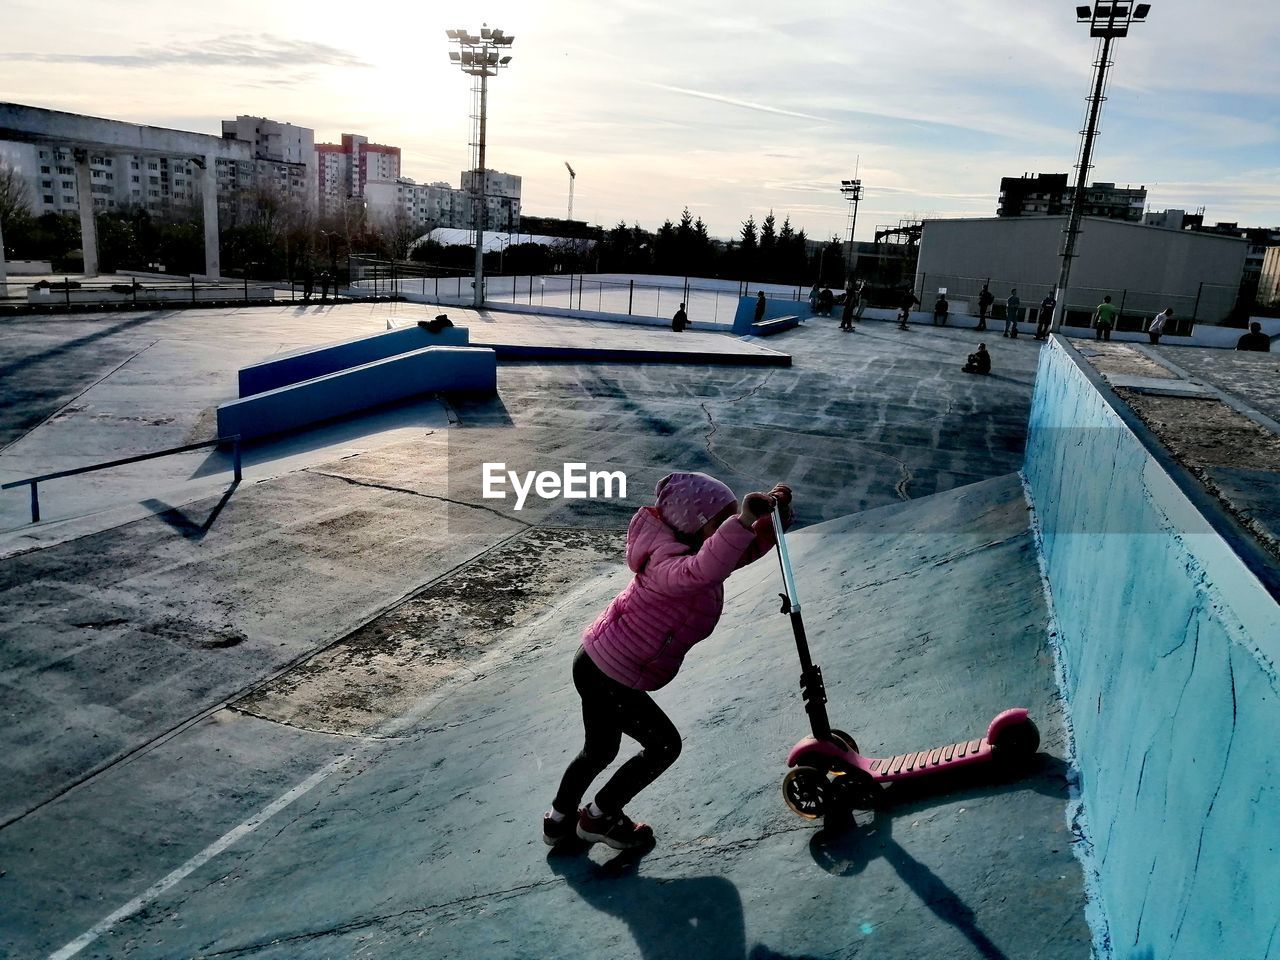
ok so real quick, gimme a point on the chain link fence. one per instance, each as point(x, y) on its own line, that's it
point(1210, 304)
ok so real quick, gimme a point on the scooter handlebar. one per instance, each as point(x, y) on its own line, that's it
point(784, 559)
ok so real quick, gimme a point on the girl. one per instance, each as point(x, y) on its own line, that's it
point(681, 551)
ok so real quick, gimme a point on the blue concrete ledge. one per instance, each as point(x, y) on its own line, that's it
point(312, 362)
point(1169, 639)
point(428, 370)
point(522, 351)
point(767, 328)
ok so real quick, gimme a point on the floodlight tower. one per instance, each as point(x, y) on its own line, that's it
point(851, 190)
point(1107, 22)
point(480, 58)
point(572, 177)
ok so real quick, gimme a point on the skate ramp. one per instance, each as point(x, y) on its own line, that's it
point(927, 619)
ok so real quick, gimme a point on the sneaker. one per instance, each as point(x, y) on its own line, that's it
point(553, 831)
point(618, 831)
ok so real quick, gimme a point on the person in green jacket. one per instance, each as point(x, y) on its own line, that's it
point(1104, 318)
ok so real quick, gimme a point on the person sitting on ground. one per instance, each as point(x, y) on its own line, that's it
point(941, 310)
point(1255, 339)
point(826, 300)
point(680, 320)
point(979, 362)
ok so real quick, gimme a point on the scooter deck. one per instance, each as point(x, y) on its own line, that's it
point(917, 763)
point(906, 764)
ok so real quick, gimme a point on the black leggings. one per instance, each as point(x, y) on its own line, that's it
point(610, 709)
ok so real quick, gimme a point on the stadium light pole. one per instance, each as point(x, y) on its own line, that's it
point(480, 57)
point(851, 190)
point(1107, 22)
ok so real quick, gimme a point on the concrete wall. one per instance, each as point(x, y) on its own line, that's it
point(315, 362)
point(429, 370)
point(1158, 267)
point(1168, 646)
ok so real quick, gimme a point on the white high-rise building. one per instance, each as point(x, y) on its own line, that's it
point(343, 169)
point(284, 160)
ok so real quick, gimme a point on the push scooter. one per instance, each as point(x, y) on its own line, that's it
point(828, 776)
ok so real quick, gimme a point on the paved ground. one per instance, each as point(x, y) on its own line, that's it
point(169, 678)
point(1216, 411)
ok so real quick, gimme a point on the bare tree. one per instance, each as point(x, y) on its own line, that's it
point(15, 199)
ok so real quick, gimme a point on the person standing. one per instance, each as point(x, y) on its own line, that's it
point(1104, 318)
point(1255, 339)
point(905, 303)
point(761, 306)
point(813, 299)
point(985, 300)
point(941, 311)
point(680, 320)
point(846, 314)
point(1011, 308)
point(862, 299)
point(1156, 330)
point(1046, 316)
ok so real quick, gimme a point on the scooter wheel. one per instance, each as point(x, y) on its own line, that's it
point(805, 790)
point(1018, 741)
point(845, 740)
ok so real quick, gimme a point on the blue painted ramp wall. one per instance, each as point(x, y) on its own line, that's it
point(331, 357)
point(746, 312)
point(1169, 646)
point(411, 374)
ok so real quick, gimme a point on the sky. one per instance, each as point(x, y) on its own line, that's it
point(730, 110)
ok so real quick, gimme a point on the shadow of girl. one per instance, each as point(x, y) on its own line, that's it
point(669, 918)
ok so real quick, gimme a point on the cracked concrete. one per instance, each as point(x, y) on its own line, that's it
point(124, 757)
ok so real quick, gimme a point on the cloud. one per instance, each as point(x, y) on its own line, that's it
point(231, 50)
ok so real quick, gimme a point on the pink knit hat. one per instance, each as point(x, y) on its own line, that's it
point(687, 501)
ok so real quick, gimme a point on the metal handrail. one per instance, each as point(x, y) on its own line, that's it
point(33, 481)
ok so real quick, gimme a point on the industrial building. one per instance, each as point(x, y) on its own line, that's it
point(1143, 269)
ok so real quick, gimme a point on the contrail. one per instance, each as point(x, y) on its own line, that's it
point(737, 103)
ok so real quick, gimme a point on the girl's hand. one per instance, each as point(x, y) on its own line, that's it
point(754, 506)
point(781, 494)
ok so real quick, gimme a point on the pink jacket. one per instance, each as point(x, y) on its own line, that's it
point(674, 600)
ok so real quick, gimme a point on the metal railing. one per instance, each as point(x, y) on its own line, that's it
point(34, 481)
point(634, 296)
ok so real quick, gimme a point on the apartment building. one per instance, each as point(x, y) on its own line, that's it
point(343, 169)
point(160, 185)
point(1049, 194)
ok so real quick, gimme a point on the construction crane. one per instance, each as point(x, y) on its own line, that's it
point(572, 176)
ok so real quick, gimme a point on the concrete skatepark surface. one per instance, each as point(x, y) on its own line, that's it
point(174, 676)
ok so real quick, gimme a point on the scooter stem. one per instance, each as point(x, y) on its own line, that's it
point(812, 689)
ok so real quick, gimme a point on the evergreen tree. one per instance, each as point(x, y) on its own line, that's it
point(665, 256)
point(768, 248)
point(748, 249)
